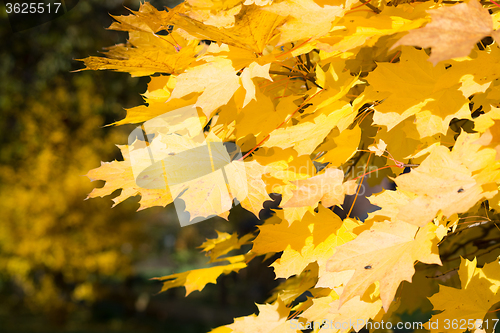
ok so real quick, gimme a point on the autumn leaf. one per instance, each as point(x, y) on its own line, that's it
point(478, 294)
point(138, 63)
point(489, 125)
point(253, 29)
point(197, 279)
point(328, 232)
point(379, 148)
point(339, 148)
point(223, 244)
point(146, 19)
point(276, 237)
point(329, 188)
point(311, 93)
point(327, 308)
point(308, 19)
point(120, 175)
point(414, 87)
point(385, 253)
point(362, 28)
point(295, 286)
point(453, 31)
point(312, 129)
point(439, 184)
point(217, 80)
point(272, 318)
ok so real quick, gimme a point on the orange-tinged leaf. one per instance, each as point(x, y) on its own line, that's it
point(453, 31)
point(276, 237)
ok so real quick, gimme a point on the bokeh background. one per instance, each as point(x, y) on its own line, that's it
point(74, 265)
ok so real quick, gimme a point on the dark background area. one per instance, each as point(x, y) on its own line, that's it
point(69, 265)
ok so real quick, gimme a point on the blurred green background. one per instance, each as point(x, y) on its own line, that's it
point(70, 265)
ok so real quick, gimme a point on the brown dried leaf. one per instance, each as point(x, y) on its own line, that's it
point(453, 31)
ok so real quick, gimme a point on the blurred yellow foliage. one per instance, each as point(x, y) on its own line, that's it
point(53, 244)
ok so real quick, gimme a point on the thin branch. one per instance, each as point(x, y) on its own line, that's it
point(442, 274)
point(300, 74)
point(372, 7)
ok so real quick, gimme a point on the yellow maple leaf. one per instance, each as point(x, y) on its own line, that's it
point(259, 118)
point(216, 81)
point(329, 188)
point(309, 19)
point(415, 87)
point(468, 304)
point(140, 62)
point(120, 175)
point(385, 253)
point(277, 237)
point(446, 181)
point(197, 279)
point(489, 125)
point(326, 232)
point(223, 244)
point(221, 18)
point(146, 52)
point(272, 318)
point(295, 286)
point(354, 314)
point(339, 147)
point(254, 28)
point(257, 192)
point(365, 28)
point(147, 19)
point(305, 136)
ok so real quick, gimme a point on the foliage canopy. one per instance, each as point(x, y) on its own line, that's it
point(316, 93)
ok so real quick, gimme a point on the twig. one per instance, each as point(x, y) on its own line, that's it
point(300, 74)
point(372, 7)
point(442, 274)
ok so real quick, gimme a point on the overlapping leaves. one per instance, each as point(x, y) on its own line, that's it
point(315, 93)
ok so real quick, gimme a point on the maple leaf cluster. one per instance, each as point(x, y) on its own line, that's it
point(315, 93)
